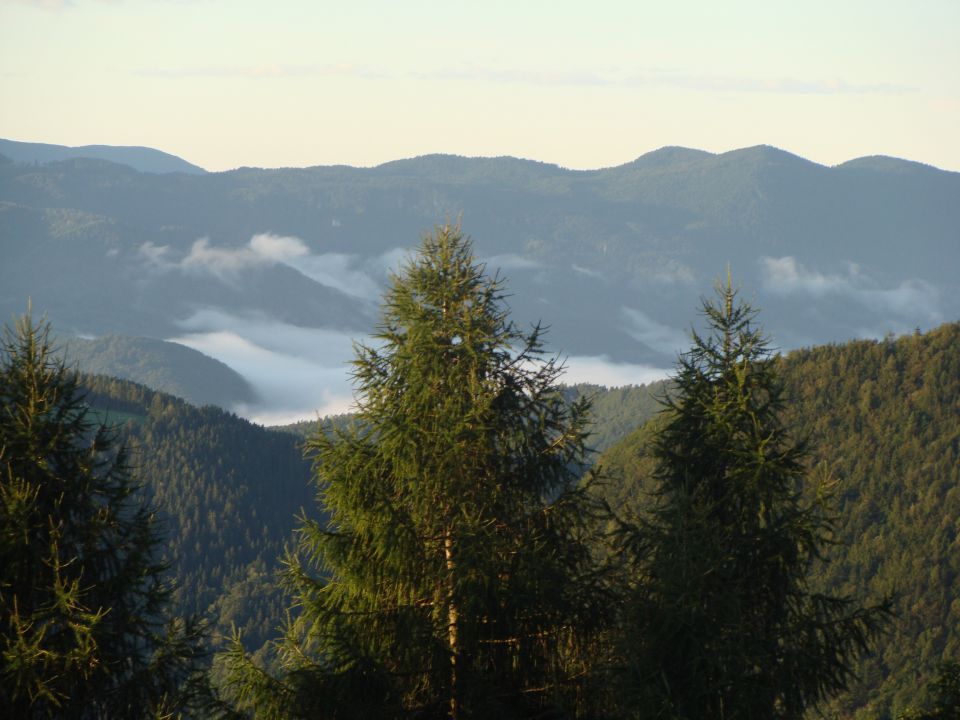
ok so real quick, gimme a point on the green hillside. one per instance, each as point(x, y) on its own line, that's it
point(229, 492)
point(884, 417)
point(160, 365)
point(616, 412)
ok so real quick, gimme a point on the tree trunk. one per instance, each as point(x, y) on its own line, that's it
point(452, 625)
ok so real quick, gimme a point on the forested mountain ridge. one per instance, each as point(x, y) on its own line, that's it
point(164, 366)
point(614, 253)
point(884, 419)
point(227, 490)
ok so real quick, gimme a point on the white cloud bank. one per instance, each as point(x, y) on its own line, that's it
point(510, 261)
point(656, 336)
point(353, 275)
point(299, 373)
point(600, 370)
point(296, 372)
point(914, 300)
point(262, 250)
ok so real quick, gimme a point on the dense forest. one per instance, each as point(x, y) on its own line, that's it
point(537, 582)
point(881, 418)
point(228, 492)
point(881, 415)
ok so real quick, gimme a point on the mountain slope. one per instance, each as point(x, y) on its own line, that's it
point(163, 366)
point(228, 491)
point(633, 235)
point(885, 419)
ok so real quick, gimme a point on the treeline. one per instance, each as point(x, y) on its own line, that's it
point(885, 418)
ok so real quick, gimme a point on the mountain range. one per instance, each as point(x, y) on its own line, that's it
point(277, 272)
point(143, 159)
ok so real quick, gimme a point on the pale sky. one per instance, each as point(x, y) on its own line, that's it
point(225, 83)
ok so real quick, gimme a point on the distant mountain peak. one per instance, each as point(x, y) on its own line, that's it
point(141, 159)
point(445, 162)
point(670, 155)
point(765, 153)
point(888, 164)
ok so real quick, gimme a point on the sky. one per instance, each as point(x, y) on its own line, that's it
point(291, 83)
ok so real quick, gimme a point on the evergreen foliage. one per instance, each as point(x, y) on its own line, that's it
point(228, 491)
point(721, 621)
point(944, 691)
point(616, 412)
point(884, 417)
point(455, 577)
point(85, 624)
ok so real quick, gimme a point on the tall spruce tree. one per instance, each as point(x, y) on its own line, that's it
point(721, 622)
point(84, 624)
point(453, 575)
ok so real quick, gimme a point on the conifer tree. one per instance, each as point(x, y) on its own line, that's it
point(452, 576)
point(721, 622)
point(84, 626)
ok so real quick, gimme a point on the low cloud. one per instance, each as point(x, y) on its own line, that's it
point(600, 370)
point(786, 276)
point(587, 271)
point(352, 275)
point(510, 261)
point(156, 255)
point(299, 373)
point(363, 278)
point(264, 249)
point(656, 336)
point(913, 299)
point(672, 275)
point(296, 372)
